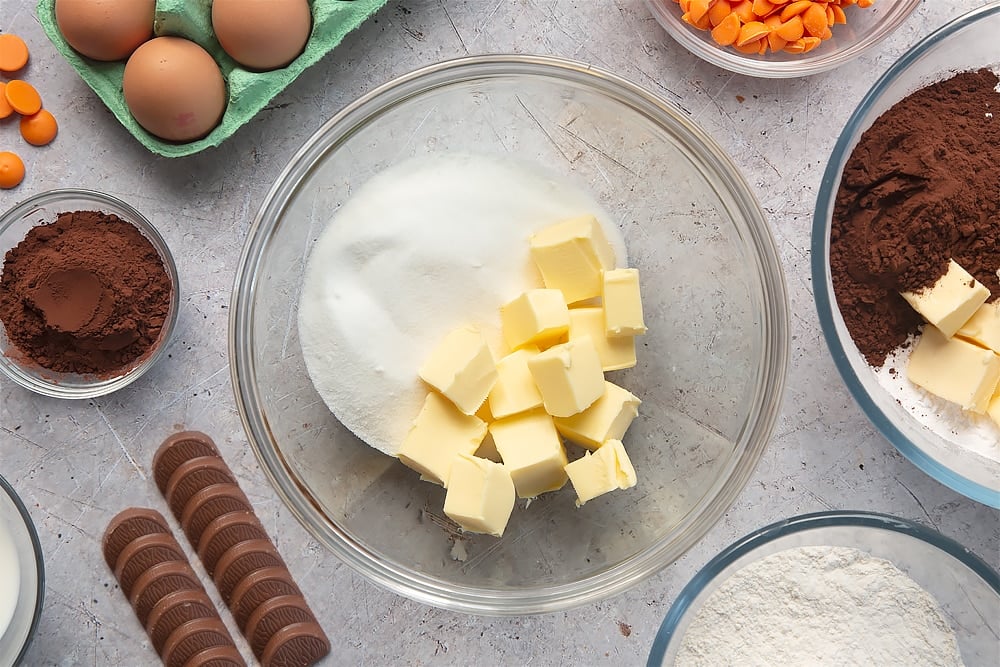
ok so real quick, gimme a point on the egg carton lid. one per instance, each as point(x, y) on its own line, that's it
point(248, 92)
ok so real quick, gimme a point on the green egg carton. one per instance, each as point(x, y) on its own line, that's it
point(249, 92)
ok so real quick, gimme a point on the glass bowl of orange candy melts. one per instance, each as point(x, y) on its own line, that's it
point(780, 38)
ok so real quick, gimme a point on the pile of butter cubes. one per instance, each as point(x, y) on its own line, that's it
point(491, 430)
point(958, 355)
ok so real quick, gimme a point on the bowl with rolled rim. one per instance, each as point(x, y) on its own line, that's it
point(710, 372)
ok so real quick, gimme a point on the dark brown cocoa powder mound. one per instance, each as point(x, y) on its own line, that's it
point(86, 294)
point(921, 187)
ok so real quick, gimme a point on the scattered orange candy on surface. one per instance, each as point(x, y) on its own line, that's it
point(23, 97)
point(13, 53)
point(11, 170)
point(758, 26)
point(40, 128)
point(5, 108)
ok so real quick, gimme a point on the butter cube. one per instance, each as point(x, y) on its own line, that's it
point(571, 255)
point(531, 451)
point(622, 303)
point(983, 328)
point(993, 410)
point(537, 316)
point(439, 433)
point(605, 470)
point(515, 390)
point(568, 376)
point(615, 353)
point(951, 301)
point(480, 495)
point(954, 369)
point(607, 419)
point(462, 368)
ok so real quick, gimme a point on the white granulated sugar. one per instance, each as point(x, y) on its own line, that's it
point(819, 606)
point(422, 248)
point(975, 433)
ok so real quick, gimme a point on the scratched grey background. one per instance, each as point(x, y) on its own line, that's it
point(76, 464)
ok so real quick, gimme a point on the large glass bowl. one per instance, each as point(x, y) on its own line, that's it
point(968, 42)
point(19, 534)
point(966, 588)
point(44, 208)
point(864, 29)
point(710, 374)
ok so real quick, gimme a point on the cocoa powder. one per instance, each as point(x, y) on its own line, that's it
point(921, 187)
point(86, 294)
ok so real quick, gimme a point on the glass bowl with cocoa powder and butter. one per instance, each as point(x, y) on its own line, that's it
point(906, 254)
point(88, 294)
point(780, 40)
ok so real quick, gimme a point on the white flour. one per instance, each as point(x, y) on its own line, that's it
point(819, 606)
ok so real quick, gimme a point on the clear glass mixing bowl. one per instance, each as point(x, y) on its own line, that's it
point(969, 42)
point(711, 369)
point(864, 29)
point(966, 589)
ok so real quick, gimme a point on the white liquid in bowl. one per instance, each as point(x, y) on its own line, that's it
point(10, 578)
point(422, 248)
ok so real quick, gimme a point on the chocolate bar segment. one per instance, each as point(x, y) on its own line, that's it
point(296, 644)
point(128, 525)
point(174, 610)
point(177, 449)
point(211, 503)
point(143, 553)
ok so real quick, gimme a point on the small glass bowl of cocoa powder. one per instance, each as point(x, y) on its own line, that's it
point(912, 184)
point(88, 294)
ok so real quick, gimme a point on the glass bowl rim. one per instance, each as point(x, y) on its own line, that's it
point(805, 65)
point(12, 370)
point(36, 546)
point(797, 524)
point(430, 590)
point(822, 279)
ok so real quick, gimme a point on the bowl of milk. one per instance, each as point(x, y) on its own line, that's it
point(22, 577)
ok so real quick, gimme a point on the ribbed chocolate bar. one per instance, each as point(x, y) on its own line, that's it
point(193, 637)
point(211, 503)
point(296, 644)
point(157, 582)
point(192, 476)
point(273, 614)
point(257, 587)
point(143, 553)
point(174, 610)
point(128, 525)
point(225, 532)
point(177, 449)
point(239, 561)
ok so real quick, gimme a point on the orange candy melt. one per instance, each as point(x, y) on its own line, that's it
point(13, 52)
point(11, 170)
point(759, 26)
point(40, 128)
point(23, 97)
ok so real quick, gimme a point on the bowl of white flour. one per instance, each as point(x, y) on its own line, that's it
point(409, 215)
point(836, 588)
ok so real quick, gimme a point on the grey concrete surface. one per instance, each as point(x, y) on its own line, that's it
point(72, 461)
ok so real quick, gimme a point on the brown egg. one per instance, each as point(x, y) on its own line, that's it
point(262, 34)
point(174, 89)
point(105, 29)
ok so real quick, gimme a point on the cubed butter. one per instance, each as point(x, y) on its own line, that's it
point(951, 301)
point(515, 390)
point(615, 353)
point(439, 433)
point(954, 369)
point(531, 451)
point(462, 368)
point(993, 409)
point(568, 376)
point(983, 328)
point(538, 316)
point(597, 473)
point(622, 303)
point(607, 419)
point(480, 495)
point(571, 255)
